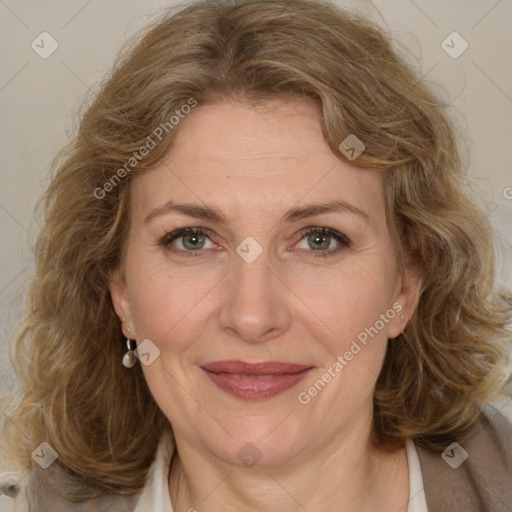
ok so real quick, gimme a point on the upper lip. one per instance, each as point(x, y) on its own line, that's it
point(263, 368)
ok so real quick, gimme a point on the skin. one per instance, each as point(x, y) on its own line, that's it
point(253, 164)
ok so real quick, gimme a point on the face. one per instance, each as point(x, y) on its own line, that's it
point(263, 278)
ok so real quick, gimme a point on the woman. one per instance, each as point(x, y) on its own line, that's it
point(261, 286)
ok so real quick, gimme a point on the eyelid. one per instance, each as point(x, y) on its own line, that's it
point(343, 241)
point(171, 236)
point(334, 233)
point(340, 237)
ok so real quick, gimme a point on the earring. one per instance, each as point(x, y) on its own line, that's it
point(129, 358)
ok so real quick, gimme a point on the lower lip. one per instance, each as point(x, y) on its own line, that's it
point(254, 387)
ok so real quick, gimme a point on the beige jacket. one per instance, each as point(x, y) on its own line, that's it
point(474, 478)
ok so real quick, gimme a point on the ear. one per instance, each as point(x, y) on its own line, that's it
point(406, 299)
point(121, 303)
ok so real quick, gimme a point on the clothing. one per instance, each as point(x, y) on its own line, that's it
point(417, 498)
point(482, 483)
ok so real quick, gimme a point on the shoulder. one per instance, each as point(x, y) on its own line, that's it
point(476, 471)
point(26, 490)
point(502, 403)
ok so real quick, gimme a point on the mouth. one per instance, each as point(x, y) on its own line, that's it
point(255, 381)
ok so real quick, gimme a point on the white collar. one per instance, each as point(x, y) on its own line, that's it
point(155, 495)
point(417, 498)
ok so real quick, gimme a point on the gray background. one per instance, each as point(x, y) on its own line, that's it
point(38, 99)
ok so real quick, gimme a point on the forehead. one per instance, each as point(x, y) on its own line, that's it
point(266, 156)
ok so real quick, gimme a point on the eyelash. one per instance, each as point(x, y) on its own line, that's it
point(339, 237)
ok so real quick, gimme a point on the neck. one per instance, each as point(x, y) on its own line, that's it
point(345, 474)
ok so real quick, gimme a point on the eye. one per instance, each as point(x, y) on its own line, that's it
point(190, 239)
point(320, 239)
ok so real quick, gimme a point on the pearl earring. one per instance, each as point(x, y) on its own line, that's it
point(129, 358)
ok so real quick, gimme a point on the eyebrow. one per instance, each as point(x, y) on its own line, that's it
point(294, 214)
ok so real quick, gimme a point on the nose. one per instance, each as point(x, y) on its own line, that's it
point(255, 306)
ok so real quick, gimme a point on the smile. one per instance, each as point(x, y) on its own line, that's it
point(253, 381)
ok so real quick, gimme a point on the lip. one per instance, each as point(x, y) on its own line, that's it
point(255, 380)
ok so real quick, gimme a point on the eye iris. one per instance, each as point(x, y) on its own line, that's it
point(319, 238)
point(197, 243)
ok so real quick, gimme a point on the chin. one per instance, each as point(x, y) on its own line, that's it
point(257, 442)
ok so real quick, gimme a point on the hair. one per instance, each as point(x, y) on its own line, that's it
point(67, 351)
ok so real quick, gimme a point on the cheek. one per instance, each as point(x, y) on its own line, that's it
point(353, 300)
point(168, 303)
point(170, 307)
point(357, 311)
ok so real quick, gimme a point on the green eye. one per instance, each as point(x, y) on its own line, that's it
point(192, 240)
point(195, 241)
point(319, 240)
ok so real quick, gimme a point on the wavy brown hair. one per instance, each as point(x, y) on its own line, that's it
point(101, 418)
